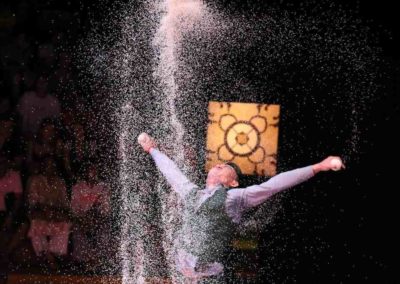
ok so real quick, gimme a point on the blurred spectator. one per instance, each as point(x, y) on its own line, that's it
point(90, 204)
point(48, 213)
point(35, 106)
point(48, 144)
point(35, 65)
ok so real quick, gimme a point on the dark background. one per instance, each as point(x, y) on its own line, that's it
point(356, 213)
point(339, 227)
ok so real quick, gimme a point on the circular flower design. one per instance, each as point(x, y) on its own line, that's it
point(242, 138)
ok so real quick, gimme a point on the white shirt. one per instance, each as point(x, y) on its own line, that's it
point(237, 202)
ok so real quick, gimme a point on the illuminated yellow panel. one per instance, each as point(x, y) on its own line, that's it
point(245, 134)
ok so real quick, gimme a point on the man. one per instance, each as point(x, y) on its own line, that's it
point(48, 213)
point(210, 214)
point(35, 106)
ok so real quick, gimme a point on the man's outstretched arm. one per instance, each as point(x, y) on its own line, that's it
point(178, 181)
point(256, 194)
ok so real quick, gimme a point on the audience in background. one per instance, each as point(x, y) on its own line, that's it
point(90, 205)
point(35, 106)
point(48, 213)
point(46, 139)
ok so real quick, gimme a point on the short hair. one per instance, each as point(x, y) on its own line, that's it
point(236, 169)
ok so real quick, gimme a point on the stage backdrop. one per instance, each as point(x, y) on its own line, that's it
point(245, 134)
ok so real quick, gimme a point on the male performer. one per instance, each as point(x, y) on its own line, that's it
point(210, 214)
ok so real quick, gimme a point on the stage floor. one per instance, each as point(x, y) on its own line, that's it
point(61, 279)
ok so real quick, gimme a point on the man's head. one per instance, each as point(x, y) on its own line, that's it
point(224, 174)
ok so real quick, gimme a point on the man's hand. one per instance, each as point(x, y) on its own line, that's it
point(333, 163)
point(146, 141)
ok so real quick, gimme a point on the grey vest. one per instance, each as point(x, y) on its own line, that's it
point(207, 230)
